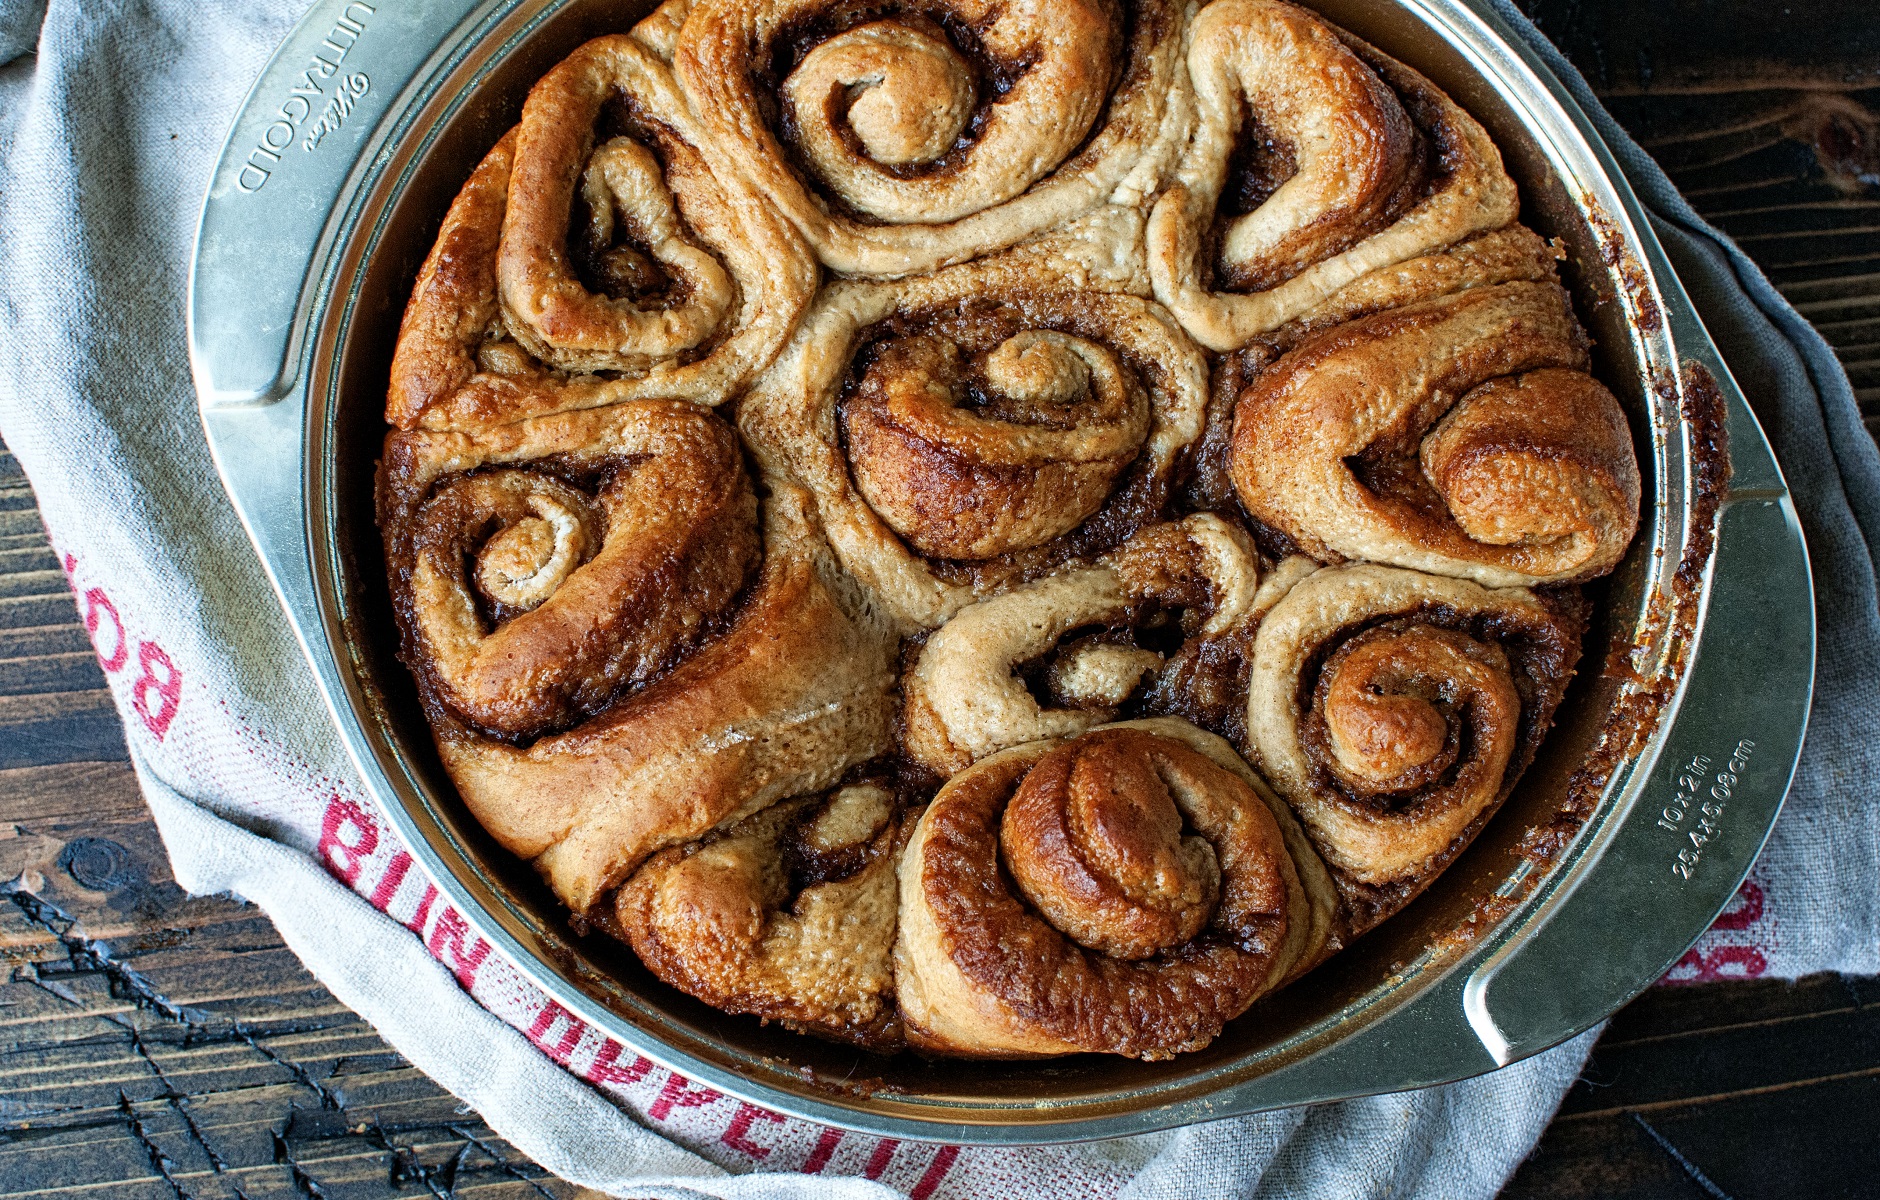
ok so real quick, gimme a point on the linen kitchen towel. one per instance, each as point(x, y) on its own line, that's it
point(107, 137)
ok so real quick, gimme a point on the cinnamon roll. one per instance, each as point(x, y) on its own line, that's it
point(1128, 891)
point(615, 652)
point(968, 428)
point(594, 238)
point(902, 139)
point(1313, 160)
point(1461, 436)
point(1510, 254)
point(1394, 711)
point(788, 915)
point(1195, 583)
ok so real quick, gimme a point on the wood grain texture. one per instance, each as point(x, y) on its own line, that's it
point(1763, 1088)
point(53, 703)
point(154, 1045)
point(1767, 117)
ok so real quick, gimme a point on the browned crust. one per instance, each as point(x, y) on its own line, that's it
point(1542, 653)
point(1326, 441)
point(677, 534)
point(706, 918)
point(453, 304)
point(1154, 1008)
point(1128, 495)
point(1389, 149)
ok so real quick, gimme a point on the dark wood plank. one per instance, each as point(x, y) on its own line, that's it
point(1770, 126)
point(53, 703)
point(1714, 46)
point(1741, 1090)
point(153, 1045)
point(157, 1045)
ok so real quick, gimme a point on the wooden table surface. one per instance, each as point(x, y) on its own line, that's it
point(157, 1046)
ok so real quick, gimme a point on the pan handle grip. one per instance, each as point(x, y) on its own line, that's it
point(1673, 861)
point(316, 117)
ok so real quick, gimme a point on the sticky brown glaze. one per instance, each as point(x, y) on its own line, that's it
point(1460, 436)
point(1395, 711)
point(1151, 897)
point(973, 429)
point(1057, 419)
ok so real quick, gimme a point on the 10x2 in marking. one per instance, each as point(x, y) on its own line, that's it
point(1705, 794)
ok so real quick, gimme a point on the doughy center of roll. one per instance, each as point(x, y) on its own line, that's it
point(1045, 371)
point(1392, 701)
point(522, 565)
point(1094, 837)
point(910, 95)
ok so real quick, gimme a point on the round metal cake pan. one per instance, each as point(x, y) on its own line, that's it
point(1631, 832)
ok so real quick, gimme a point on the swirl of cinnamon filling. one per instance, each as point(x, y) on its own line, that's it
point(903, 140)
point(664, 288)
point(1058, 422)
point(1314, 160)
point(532, 603)
point(1128, 891)
point(968, 428)
point(1195, 583)
point(1394, 711)
point(789, 915)
point(1460, 436)
point(629, 257)
point(616, 649)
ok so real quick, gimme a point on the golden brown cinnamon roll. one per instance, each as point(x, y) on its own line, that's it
point(902, 140)
point(1461, 436)
point(788, 915)
point(1394, 711)
point(1314, 160)
point(1505, 255)
point(578, 594)
point(570, 251)
point(967, 428)
point(616, 654)
point(1128, 891)
point(1148, 618)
